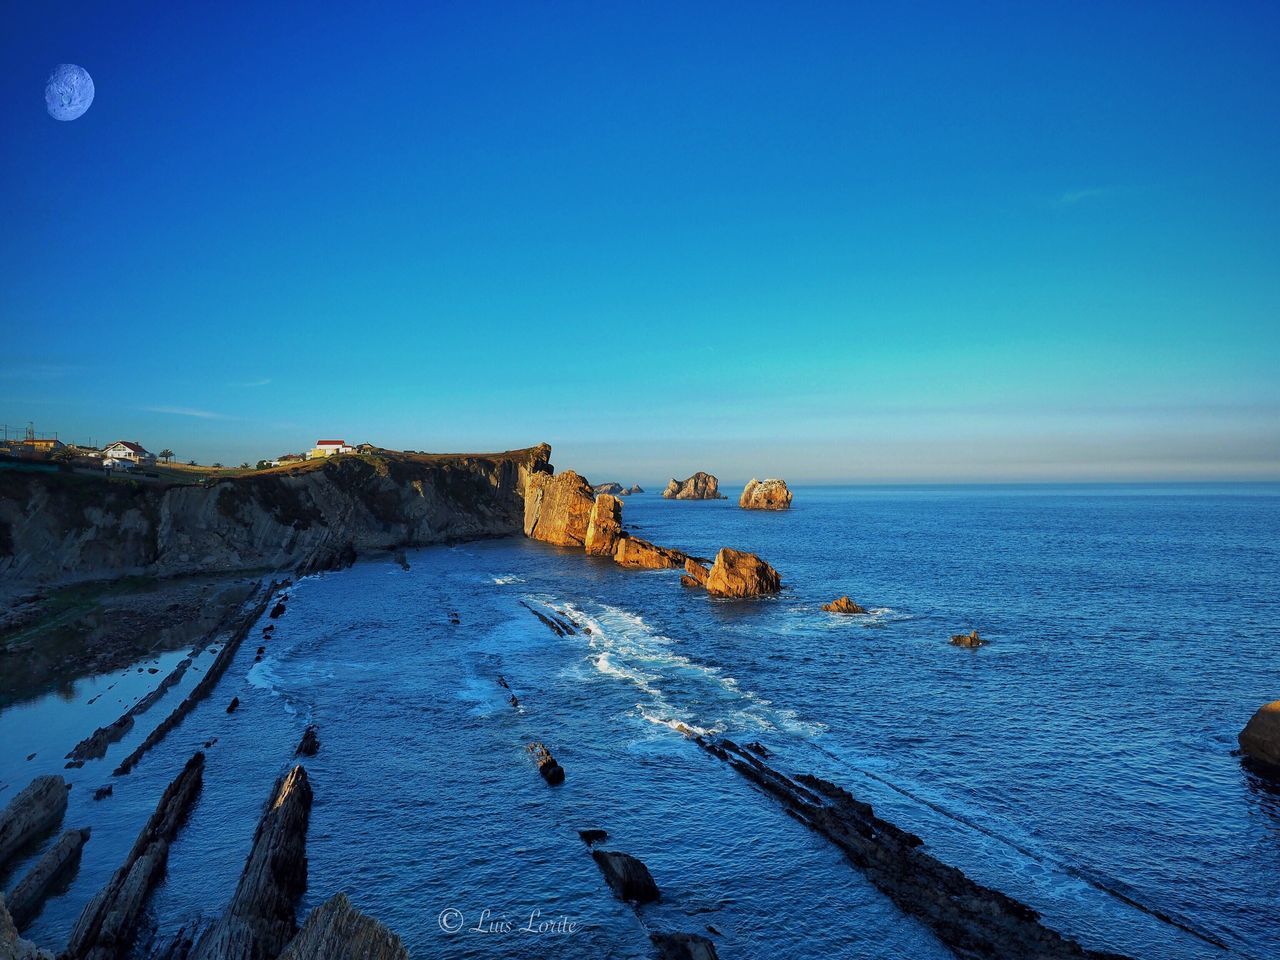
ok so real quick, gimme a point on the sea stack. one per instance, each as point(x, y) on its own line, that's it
point(740, 575)
point(557, 508)
point(604, 528)
point(1260, 739)
point(765, 495)
point(701, 486)
point(643, 555)
point(970, 640)
point(843, 605)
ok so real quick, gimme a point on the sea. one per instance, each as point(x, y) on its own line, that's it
point(1084, 761)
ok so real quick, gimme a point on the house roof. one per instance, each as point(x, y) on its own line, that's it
point(331, 443)
point(128, 444)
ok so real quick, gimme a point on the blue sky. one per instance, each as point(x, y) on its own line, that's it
point(823, 241)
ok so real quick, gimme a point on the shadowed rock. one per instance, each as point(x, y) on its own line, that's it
point(261, 917)
point(765, 495)
point(701, 486)
point(548, 766)
point(976, 922)
point(557, 508)
point(94, 746)
point(32, 813)
point(696, 572)
point(642, 555)
point(58, 862)
point(592, 836)
point(1260, 738)
point(605, 526)
point(107, 924)
point(336, 930)
point(970, 640)
point(12, 947)
point(629, 878)
point(309, 745)
point(843, 605)
point(683, 946)
point(739, 575)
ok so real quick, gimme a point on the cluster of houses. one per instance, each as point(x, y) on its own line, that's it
point(130, 455)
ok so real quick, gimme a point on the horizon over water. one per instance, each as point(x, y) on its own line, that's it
point(1083, 762)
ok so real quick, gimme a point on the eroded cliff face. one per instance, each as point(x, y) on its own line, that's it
point(57, 528)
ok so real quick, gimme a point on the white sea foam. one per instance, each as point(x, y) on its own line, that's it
point(507, 579)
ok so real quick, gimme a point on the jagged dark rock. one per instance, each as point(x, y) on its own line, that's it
point(235, 703)
point(551, 624)
point(976, 922)
point(261, 918)
point(970, 640)
point(13, 947)
point(336, 930)
point(35, 811)
point(683, 946)
point(309, 745)
point(1260, 739)
point(59, 861)
point(107, 924)
point(628, 877)
point(593, 836)
point(103, 792)
point(550, 769)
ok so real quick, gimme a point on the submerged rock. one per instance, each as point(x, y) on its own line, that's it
point(593, 836)
point(336, 930)
point(765, 495)
point(629, 878)
point(683, 946)
point(33, 812)
point(970, 640)
point(701, 486)
point(557, 508)
point(58, 862)
point(261, 919)
point(604, 528)
point(738, 574)
point(643, 555)
point(843, 605)
point(1260, 738)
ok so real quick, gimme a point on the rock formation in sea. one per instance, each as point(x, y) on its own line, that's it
point(1260, 738)
point(108, 922)
point(634, 489)
point(57, 863)
point(643, 555)
point(548, 766)
point(765, 495)
point(700, 486)
point(604, 528)
point(628, 877)
point(970, 640)
point(613, 489)
point(336, 930)
point(35, 811)
point(557, 508)
point(261, 918)
point(740, 575)
point(309, 745)
point(63, 526)
point(683, 946)
point(843, 605)
point(13, 947)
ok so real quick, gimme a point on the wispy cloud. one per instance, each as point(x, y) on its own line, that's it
point(251, 383)
point(189, 412)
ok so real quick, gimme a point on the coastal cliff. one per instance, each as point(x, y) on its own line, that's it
point(62, 527)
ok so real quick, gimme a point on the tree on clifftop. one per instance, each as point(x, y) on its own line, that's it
point(166, 454)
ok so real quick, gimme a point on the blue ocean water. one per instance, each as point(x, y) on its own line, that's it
point(1083, 761)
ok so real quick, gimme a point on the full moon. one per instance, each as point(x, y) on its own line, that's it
point(68, 92)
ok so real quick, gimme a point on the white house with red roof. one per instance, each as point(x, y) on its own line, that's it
point(129, 450)
point(327, 448)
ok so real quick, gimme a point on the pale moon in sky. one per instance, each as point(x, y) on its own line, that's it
point(68, 92)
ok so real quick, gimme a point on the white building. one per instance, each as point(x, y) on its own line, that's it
point(128, 450)
point(327, 448)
